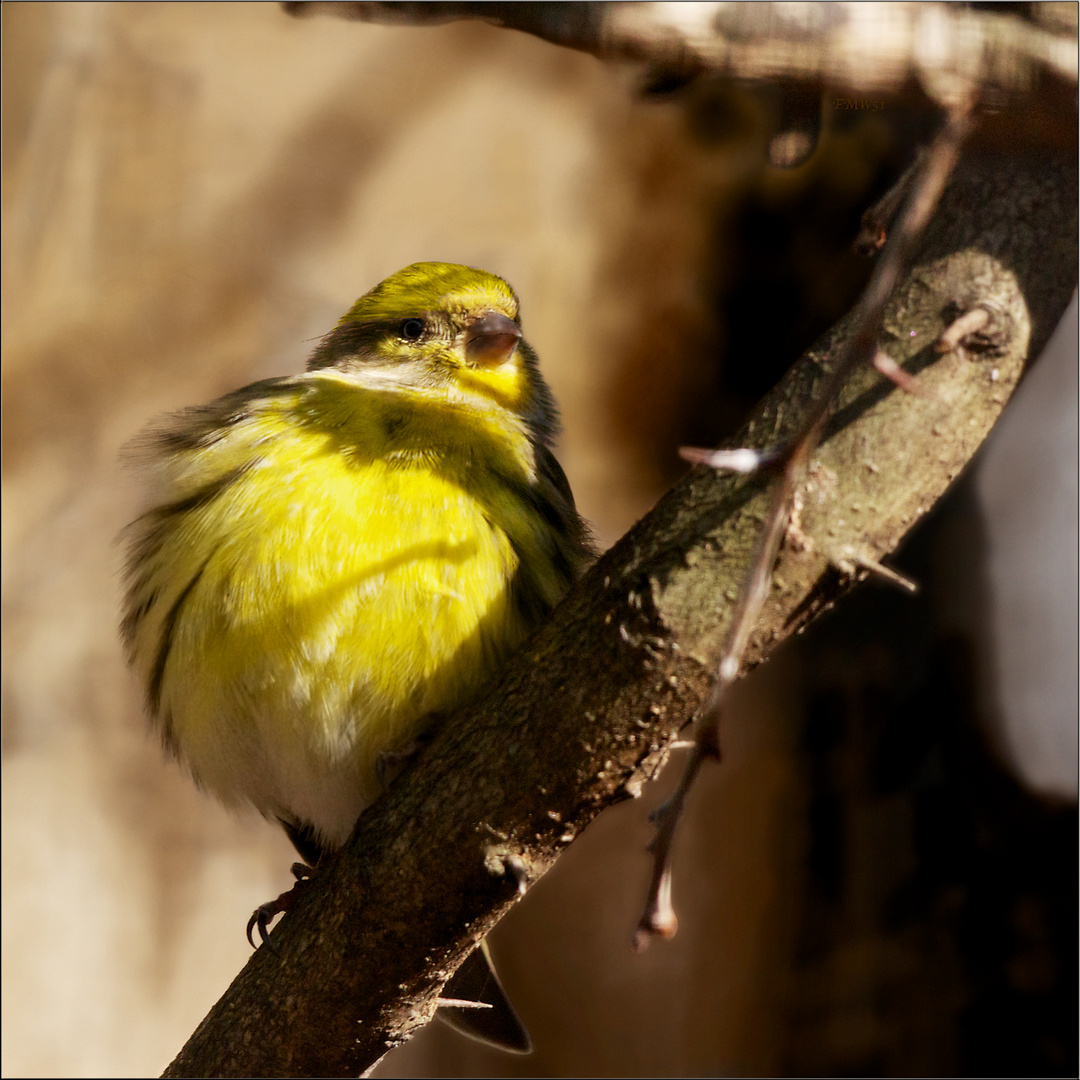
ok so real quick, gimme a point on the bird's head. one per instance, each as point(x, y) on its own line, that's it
point(441, 327)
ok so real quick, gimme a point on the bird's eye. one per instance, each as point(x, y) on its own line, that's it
point(412, 329)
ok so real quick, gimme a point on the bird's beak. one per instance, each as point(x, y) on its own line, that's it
point(491, 340)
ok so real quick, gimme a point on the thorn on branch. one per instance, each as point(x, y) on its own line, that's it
point(517, 869)
point(849, 561)
point(971, 322)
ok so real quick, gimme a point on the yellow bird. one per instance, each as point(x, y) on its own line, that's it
point(337, 557)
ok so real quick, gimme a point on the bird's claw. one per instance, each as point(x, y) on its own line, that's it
point(261, 917)
point(266, 913)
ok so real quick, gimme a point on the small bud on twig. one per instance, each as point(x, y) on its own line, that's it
point(742, 460)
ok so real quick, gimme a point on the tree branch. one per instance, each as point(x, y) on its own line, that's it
point(583, 715)
point(812, 58)
point(949, 50)
point(791, 460)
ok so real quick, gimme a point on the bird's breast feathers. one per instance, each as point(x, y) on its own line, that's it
point(335, 564)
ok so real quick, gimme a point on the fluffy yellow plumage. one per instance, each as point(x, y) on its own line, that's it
point(339, 555)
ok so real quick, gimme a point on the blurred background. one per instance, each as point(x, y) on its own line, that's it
point(879, 880)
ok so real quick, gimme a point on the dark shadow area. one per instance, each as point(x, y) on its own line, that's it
point(938, 930)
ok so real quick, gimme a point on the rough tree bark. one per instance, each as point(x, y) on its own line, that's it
point(582, 716)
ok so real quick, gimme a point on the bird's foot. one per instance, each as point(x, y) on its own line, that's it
point(266, 913)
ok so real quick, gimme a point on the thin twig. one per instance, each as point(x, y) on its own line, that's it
point(892, 371)
point(876, 219)
point(743, 460)
point(791, 459)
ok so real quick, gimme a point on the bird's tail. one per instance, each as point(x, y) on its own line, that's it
point(494, 1020)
